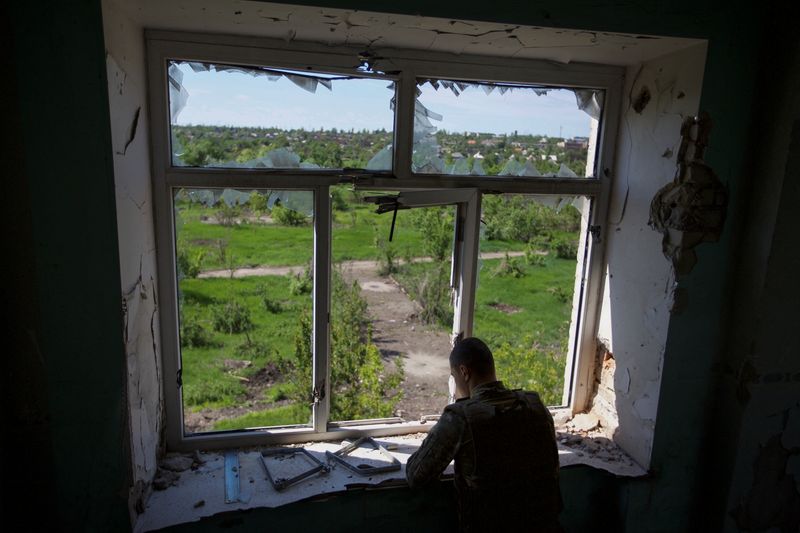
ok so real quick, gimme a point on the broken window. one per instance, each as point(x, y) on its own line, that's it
point(249, 117)
point(501, 129)
point(311, 285)
point(244, 275)
point(524, 303)
point(391, 312)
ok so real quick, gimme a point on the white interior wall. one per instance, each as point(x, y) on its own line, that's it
point(639, 282)
point(125, 61)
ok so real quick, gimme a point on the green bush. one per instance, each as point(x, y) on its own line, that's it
point(509, 266)
point(529, 366)
point(565, 248)
point(227, 214)
point(258, 202)
point(339, 198)
point(193, 334)
point(361, 387)
point(271, 305)
point(433, 296)
point(288, 217)
point(190, 261)
point(516, 218)
point(435, 224)
point(387, 254)
point(301, 283)
point(232, 317)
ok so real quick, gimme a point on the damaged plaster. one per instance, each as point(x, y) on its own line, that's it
point(639, 290)
point(690, 210)
point(334, 27)
point(127, 99)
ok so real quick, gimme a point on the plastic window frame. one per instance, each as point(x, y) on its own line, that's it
point(406, 67)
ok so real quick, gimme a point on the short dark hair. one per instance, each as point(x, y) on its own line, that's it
point(474, 354)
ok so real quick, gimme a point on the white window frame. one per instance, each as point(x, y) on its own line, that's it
point(464, 191)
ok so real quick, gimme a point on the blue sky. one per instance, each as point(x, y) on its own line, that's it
point(237, 99)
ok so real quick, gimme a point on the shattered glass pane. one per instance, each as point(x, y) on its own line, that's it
point(230, 116)
point(529, 250)
point(492, 129)
point(244, 278)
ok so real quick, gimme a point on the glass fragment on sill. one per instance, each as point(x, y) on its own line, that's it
point(231, 123)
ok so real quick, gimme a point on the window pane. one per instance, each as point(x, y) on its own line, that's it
point(391, 312)
point(524, 303)
point(245, 297)
point(485, 129)
point(248, 117)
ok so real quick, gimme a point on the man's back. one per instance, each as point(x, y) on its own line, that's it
point(506, 459)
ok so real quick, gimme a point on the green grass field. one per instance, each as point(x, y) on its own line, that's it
point(524, 316)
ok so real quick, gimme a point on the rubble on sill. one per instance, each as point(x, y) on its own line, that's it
point(192, 486)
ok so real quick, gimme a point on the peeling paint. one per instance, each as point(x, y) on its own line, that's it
point(691, 209)
point(773, 500)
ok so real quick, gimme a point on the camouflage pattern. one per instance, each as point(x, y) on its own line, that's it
point(506, 460)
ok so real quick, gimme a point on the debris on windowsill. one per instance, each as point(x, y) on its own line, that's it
point(178, 495)
point(583, 440)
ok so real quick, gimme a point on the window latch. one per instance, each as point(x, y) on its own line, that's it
point(318, 394)
point(180, 377)
point(595, 232)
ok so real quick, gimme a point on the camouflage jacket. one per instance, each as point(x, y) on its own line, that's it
point(506, 460)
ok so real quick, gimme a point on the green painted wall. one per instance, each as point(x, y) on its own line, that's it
point(63, 156)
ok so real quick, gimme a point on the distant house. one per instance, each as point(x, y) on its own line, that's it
point(477, 156)
point(457, 155)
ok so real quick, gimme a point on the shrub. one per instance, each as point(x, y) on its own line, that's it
point(288, 217)
point(565, 248)
point(252, 349)
point(258, 202)
point(534, 258)
point(360, 385)
point(301, 283)
point(272, 306)
point(227, 214)
point(435, 224)
point(338, 199)
point(433, 296)
point(232, 317)
point(190, 261)
point(561, 295)
point(387, 255)
point(193, 334)
point(529, 366)
point(509, 266)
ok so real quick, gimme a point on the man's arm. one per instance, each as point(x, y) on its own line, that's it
point(436, 451)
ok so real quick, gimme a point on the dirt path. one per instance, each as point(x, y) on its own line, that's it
point(398, 334)
point(354, 266)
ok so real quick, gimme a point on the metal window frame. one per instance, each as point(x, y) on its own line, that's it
point(406, 67)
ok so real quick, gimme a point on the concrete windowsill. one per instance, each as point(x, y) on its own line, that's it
point(200, 493)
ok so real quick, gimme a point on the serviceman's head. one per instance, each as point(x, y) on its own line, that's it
point(471, 364)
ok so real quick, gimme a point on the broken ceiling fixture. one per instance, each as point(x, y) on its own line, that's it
point(295, 456)
point(363, 468)
point(691, 209)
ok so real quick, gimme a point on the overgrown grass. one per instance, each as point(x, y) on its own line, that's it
point(277, 416)
point(207, 381)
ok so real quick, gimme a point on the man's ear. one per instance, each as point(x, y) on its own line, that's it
point(465, 372)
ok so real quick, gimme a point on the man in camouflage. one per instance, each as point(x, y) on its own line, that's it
point(503, 443)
